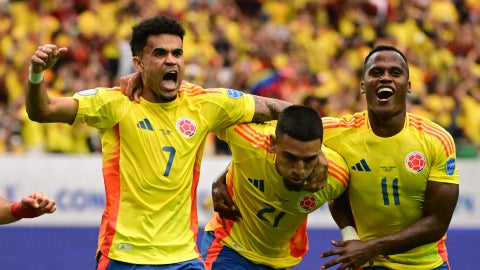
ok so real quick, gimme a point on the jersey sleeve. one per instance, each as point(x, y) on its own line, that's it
point(101, 107)
point(338, 175)
point(444, 165)
point(228, 108)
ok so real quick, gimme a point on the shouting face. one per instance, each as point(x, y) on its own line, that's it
point(162, 67)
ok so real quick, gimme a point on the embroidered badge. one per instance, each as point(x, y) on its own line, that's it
point(308, 202)
point(187, 127)
point(415, 162)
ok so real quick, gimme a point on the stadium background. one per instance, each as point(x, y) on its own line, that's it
point(303, 51)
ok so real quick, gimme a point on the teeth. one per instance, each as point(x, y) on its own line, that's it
point(385, 89)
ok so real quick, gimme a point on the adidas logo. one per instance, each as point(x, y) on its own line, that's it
point(124, 247)
point(257, 183)
point(145, 124)
point(361, 166)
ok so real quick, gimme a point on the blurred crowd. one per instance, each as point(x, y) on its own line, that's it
point(303, 51)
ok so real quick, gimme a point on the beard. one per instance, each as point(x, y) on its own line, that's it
point(292, 186)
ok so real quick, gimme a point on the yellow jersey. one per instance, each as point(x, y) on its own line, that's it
point(151, 163)
point(272, 229)
point(388, 179)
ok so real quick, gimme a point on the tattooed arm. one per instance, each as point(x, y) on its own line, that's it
point(268, 108)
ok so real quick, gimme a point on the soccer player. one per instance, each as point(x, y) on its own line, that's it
point(270, 163)
point(30, 206)
point(404, 182)
point(151, 150)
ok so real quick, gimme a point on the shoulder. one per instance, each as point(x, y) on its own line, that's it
point(253, 131)
point(337, 168)
point(335, 159)
point(101, 92)
point(346, 121)
point(432, 131)
point(428, 127)
point(190, 90)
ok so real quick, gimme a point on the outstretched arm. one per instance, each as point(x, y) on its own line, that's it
point(440, 202)
point(31, 206)
point(40, 107)
point(267, 109)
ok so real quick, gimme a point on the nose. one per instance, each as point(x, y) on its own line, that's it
point(299, 168)
point(385, 76)
point(170, 59)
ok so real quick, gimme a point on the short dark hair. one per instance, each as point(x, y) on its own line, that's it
point(153, 26)
point(299, 122)
point(384, 48)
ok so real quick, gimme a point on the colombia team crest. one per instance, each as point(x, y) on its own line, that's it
point(308, 202)
point(415, 162)
point(187, 127)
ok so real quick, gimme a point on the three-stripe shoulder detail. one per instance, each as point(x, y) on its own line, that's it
point(195, 90)
point(436, 131)
point(338, 172)
point(344, 122)
point(253, 136)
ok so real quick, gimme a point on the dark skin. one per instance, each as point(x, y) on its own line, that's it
point(387, 114)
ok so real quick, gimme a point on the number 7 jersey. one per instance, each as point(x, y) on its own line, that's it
point(388, 178)
point(151, 164)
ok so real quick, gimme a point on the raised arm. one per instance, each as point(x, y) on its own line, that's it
point(40, 107)
point(440, 202)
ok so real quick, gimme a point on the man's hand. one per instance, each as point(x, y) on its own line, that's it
point(222, 201)
point(45, 57)
point(40, 202)
point(318, 178)
point(131, 85)
point(31, 206)
point(351, 254)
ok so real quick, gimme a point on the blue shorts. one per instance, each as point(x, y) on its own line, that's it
point(104, 263)
point(441, 267)
point(220, 257)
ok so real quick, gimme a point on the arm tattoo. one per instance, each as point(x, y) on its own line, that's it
point(267, 109)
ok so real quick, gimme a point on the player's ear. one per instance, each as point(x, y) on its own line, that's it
point(137, 63)
point(273, 143)
point(362, 89)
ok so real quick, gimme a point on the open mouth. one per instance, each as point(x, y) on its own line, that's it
point(384, 93)
point(170, 79)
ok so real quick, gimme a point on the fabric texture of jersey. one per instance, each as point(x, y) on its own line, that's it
point(151, 162)
point(388, 179)
point(272, 230)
